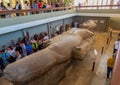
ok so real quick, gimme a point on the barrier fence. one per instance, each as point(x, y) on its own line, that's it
point(45, 10)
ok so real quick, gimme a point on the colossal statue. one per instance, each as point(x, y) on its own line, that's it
point(48, 66)
point(90, 25)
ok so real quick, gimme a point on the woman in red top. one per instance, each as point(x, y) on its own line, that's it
point(40, 4)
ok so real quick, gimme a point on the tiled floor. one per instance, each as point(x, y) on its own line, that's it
point(81, 73)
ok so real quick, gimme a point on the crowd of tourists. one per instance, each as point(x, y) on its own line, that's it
point(34, 5)
point(25, 46)
point(22, 48)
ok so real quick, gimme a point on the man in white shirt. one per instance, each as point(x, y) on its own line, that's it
point(116, 45)
point(9, 7)
point(27, 7)
point(76, 24)
point(17, 7)
point(46, 37)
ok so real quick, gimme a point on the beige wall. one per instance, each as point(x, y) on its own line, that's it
point(13, 2)
point(115, 23)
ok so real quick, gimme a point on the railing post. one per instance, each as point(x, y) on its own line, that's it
point(102, 50)
point(107, 40)
point(110, 33)
point(93, 67)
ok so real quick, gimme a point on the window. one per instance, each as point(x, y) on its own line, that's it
point(96, 2)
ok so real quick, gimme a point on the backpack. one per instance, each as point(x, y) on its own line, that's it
point(11, 59)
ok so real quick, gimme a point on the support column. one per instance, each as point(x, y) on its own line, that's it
point(107, 2)
point(64, 24)
point(86, 2)
point(102, 2)
point(111, 3)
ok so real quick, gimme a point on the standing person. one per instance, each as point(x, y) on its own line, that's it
point(2, 8)
point(61, 30)
point(1, 65)
point(9, 8)
point(28, 48)
point(35, 6)
point(76, 24)
point(79, 4)
point(1, 73)
point(53, 5)
point(5, 56)
point(4, 47)
point(34, 45)
point(18, 55)
point(17, 7)
point(1, 61)
point(12, 43)
point(57, 5)
point(44, 5)
point(18, 48)
point(70, 4)
point(116, 45)
point(110, 64)
point(24, 51)
point(40, 43)
point(49, 5)
point(11, 53)
point(27, 7)
point(45, 39)
point(40, 4)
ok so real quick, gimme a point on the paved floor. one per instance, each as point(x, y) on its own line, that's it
point(81, 74)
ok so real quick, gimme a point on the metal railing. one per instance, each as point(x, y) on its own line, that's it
point(34, 10)
point(45, 10)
